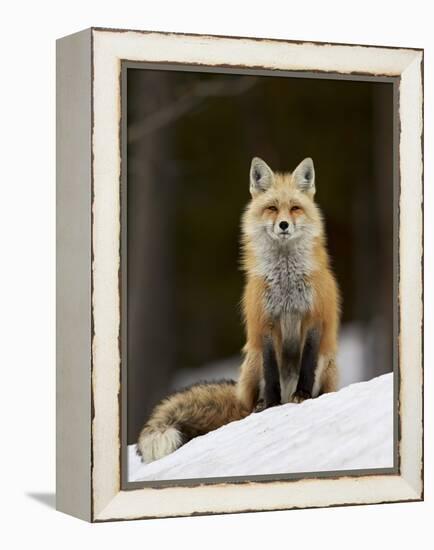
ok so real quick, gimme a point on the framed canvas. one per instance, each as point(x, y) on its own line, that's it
point(186, 164)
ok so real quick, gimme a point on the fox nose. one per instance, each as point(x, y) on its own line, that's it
point(283, 225)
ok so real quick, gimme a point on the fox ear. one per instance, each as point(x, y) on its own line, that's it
point(261, 176)
point(304, 176)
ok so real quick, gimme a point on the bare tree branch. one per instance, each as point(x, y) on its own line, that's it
point(201, 91)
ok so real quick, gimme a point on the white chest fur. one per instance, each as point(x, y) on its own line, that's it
point(286, 271)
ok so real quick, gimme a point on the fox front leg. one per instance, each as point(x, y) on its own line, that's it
point(272, 395)
point(309, 364)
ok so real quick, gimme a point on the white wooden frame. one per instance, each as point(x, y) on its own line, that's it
point(88, 210)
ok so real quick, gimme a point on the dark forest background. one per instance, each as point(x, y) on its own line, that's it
point(190, 139)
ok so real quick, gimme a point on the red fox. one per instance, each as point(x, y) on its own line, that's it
point(291, 313)
point(291, 299)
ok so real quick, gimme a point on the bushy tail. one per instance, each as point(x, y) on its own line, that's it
point(189, 413)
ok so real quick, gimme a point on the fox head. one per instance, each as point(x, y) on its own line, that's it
point(282, 209)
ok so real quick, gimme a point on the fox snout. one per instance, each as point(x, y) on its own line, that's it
point(283, 228)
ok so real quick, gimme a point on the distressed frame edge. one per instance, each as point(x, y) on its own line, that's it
point(252, 38)
point(415, 493)
point(394, 485)
point(410, 286)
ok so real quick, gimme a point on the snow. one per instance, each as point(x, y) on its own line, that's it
point(348, 430)
point(352, 354)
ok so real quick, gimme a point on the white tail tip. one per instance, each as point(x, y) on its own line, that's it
point(155, 445)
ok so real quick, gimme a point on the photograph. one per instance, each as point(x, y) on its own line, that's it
point(258, 279)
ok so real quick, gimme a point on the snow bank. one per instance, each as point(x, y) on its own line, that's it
point(347, 430)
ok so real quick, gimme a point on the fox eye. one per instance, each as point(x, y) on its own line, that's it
point(295, 209)
point(272, 208)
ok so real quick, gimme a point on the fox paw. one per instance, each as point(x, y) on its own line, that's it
point(260, 406)
point(300, 396)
